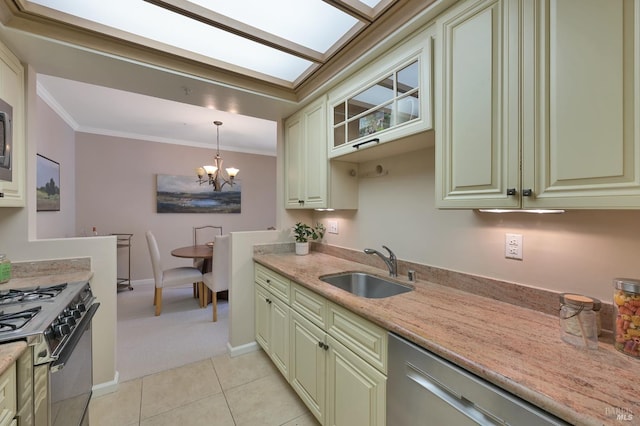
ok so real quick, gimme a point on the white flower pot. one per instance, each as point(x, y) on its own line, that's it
point(302, 248)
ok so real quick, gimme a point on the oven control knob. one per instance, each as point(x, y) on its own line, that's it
point(62, 330)
point(48, 333)
point(75, 313)
point(81, 307)
point(71, 321)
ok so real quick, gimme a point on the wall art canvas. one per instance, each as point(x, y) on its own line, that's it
point(48, 184)
point(183, 194)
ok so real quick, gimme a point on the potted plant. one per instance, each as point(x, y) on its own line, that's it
point(305, 233)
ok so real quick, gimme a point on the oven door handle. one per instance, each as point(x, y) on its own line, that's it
point(67, 350)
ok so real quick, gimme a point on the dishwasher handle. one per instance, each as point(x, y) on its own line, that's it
point(446, 394)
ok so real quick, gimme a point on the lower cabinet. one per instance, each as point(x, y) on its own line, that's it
point(272, 328)
point(309, 365)
point(8, 396)
point(356, 391)
point(336, 360)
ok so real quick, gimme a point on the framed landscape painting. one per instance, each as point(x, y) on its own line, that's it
point(48, 184)
point(183, 194)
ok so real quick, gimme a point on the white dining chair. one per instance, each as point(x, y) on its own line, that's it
point(218, 279)
point(201, 235)
point(171, 277)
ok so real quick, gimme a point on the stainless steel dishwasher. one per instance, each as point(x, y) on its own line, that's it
point(424, 389)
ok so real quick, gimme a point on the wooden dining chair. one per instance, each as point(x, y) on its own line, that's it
point(172, 277)
point(218, 279)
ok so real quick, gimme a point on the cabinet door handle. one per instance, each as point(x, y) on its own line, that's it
point(301, 202)
point(268, 301)
point(268, 281)
point(527, 192)
point(511, 191)
point(323, 345)
point(358, 145)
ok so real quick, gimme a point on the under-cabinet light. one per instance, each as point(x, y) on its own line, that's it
point(539, 211)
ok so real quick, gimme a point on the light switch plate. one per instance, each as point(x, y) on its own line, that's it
point(332, 226)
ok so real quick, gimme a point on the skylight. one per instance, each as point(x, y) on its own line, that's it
point(282, 39)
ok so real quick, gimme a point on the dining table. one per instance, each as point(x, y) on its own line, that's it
point(204, 252)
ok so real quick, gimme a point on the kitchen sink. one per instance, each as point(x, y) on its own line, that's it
point(365, 285)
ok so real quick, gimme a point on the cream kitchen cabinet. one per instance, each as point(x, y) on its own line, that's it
point(337, 360)
point(272, 317)
point(309, 364)
point(538, 104)
point(12, 189)
point(8, 396)
point(357, 390)
point(311, 180)
point(337, 386)
point(388, 100)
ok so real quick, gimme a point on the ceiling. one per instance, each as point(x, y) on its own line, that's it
point(119, 113)
point(277, 40)
point(108, 81)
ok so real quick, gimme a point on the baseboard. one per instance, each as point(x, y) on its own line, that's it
point(242, 349)
point(106, 387)
point(144, 281)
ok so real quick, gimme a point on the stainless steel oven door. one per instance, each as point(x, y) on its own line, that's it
point(71, 377)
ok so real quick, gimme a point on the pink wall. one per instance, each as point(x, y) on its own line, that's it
point(116, 193)
point(56, 140)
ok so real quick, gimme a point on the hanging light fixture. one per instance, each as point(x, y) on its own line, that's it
point(214, 173)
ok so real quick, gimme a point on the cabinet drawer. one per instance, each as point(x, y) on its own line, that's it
point(8, 395)
point(361, 336)
point(276, 283)
point(311, 305)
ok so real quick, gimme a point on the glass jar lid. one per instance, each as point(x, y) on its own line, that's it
point(627, 284)
point(580, 301)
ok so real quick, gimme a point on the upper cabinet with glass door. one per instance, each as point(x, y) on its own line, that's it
point(387, 100)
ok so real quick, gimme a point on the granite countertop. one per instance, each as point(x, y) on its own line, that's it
point(515, 348)
point(9, 353)
point(44, 280)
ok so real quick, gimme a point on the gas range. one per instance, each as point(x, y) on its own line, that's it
point(44, 316)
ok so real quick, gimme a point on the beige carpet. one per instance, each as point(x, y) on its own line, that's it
point(182, 334)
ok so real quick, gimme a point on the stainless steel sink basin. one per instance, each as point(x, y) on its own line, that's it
point(365, 285)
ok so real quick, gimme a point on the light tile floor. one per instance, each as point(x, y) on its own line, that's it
point(245, 390)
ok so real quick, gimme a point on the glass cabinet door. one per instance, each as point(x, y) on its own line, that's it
point(391, 101)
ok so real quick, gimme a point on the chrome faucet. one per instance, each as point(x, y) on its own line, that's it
point(391, 261)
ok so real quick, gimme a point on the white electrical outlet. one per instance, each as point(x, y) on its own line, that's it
point(513, 246)
point(332, 226)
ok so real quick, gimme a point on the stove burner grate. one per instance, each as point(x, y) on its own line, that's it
point(16, 320)
point(30, 294)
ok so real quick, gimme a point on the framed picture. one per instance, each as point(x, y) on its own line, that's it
point(48, 184)
point(183, 194)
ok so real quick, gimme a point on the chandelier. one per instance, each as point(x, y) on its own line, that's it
point(214, 173)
